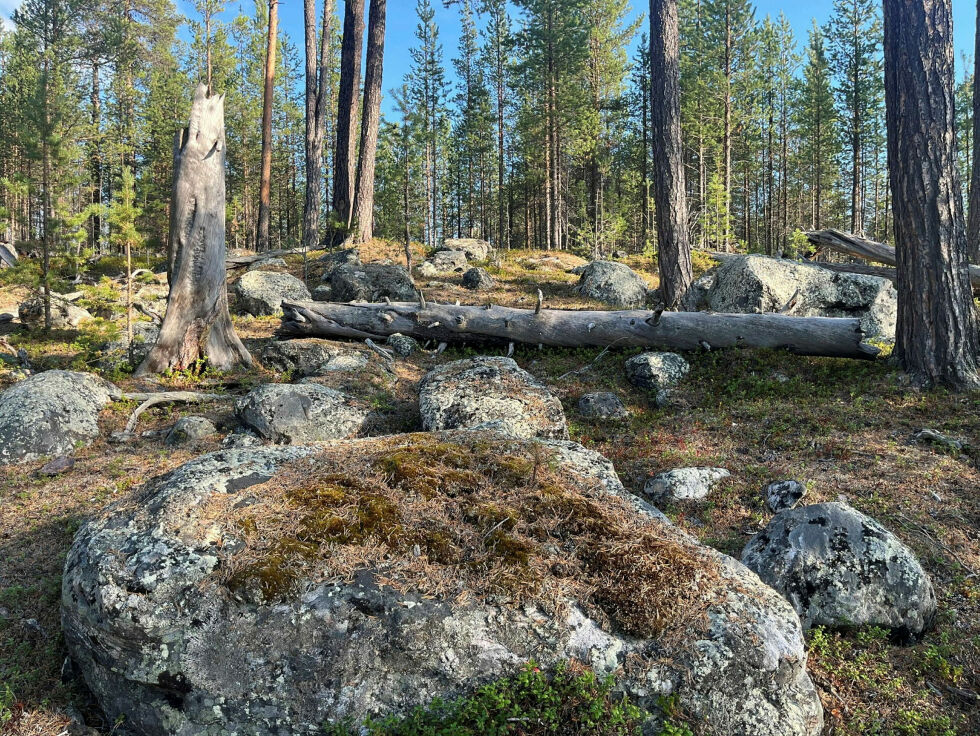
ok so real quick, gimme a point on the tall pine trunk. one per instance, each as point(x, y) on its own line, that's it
point(350, 86)
point(936, 337)
point(317, 70)
point(373, 72)
point(674, 254)
point(265, 180)
point(973, 225)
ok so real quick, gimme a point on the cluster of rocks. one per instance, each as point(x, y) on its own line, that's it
point(454, 256)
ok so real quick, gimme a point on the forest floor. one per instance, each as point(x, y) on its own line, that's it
point(845, 428)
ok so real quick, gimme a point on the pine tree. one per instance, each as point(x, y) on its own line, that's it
point(816, 126)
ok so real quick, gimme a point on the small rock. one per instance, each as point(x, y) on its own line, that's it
point(604, 405)
point(311, 357)
point(784, 494)
point(444, 261)
point(64, 314)
point(403, 345)
point(322, 293)
point(619, 254)
point(293, 414)
point(683, 484)
point(372, 282)
point(940, 441)
point(658, 372)
point(242, 437)
point(6, 317)
point(613, 283)
point(189, 429)
point(262, 292)
point(478, 279)
point(57, 466)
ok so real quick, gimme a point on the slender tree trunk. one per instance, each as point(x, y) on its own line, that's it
point(265, 182)
point(936, 337)
point(371, 117)
point(350, 85)
point(674, 254)
point(973, 225)
point(197, 324)
point(727, 132)
point(315, 113)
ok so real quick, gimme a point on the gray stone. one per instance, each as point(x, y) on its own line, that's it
point(311, 357)
point(659, 372)
point(372, 282)
point(469, 393)
point(261, 293)
point(161, 643)
point(613, 283)
point(941, 442)
point(478, 279)
point(840, 568)
point(190, 429)
point(268, 263)
point(475, 249)
point(116, 353)
point(443, 262)
point(336, 258)
point(784, 494)
point(51, 413)
point(59, 465)
point(683, 484)
point(242, 437)
point(403, 345)
point(292, 414)
point(758, 284)
point(322, 293)
point(603, 405)
point(64, 314)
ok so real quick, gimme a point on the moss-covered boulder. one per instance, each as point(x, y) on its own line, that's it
point(270, 591)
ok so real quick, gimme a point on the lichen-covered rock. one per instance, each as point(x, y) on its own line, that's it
point(295, 413)
point(489, 390)
point(478, 279)
point(757, 284)
point(443, 262)
point(659, 372)
point(683, 484)
point(475, 249)
point(784, 494)
point(51, 413)
point(322, 293)
point(372, 282)
point(268, 264)
point(840, 568)
point(64, 314)
point(175, 617)
point(190, 429)
point(403, 345)
point(613, 283)
point(261, 293)
point(603, 405)
point(336, 258)
point(311, 357)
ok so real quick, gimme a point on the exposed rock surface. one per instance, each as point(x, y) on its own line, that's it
point(164, 641)
point(443, 262)
point(322, 293)
point(613, 283)
point(343, 257)
point(784, 494)
point(683, 484)
point(478, 279)
point(64, 314)
point(489, 390)
point(287, 413)
point(372, 282)
point(659, 372)
point(51, 413)
point(311, 357)
point(602, 405)
point(403, 345)
point(840, 568)
point(758, 284)
point(262, 292)
point(189, 429)
point(268, 264)
point(475, 249)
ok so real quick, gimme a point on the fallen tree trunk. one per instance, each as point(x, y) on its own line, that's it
point(233, 262)
point(858, 268)
point(869, 250)
point(562, 328)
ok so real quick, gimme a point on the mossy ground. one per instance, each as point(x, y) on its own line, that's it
point(845, 428)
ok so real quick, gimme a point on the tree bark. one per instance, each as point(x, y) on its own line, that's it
point(561, 328)
point(350, 85)
point(370, 118)
point(265, 181)
point(936, 336)
point(315, 118)
point(670, 198)
point(197, 324)
point(973, 224)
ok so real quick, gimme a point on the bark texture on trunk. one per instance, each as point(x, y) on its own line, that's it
point(350, 86)
point(674, 249)
point(370, 118)
point(315, 119)
point(936, 337)
point(973, 224)
point(197, 324)
point(638, 328)
point(265, 182)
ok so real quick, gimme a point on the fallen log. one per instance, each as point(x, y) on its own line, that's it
point(869, 250)
point(564, 328)
point(858, 268)
point(233, 262)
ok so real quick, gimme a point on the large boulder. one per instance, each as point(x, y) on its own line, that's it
point(263, 292)
point(613, 283)
point(443, 262)
point(490, 391)
point(51, 413)
point(840, 568)
point(270, 591)
point(64, 314)
point(287, 413)
point(372, 282)
point(478, 279)
point(475, 249)
point(311, 357)
point(758, 284)
point(343, 257)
